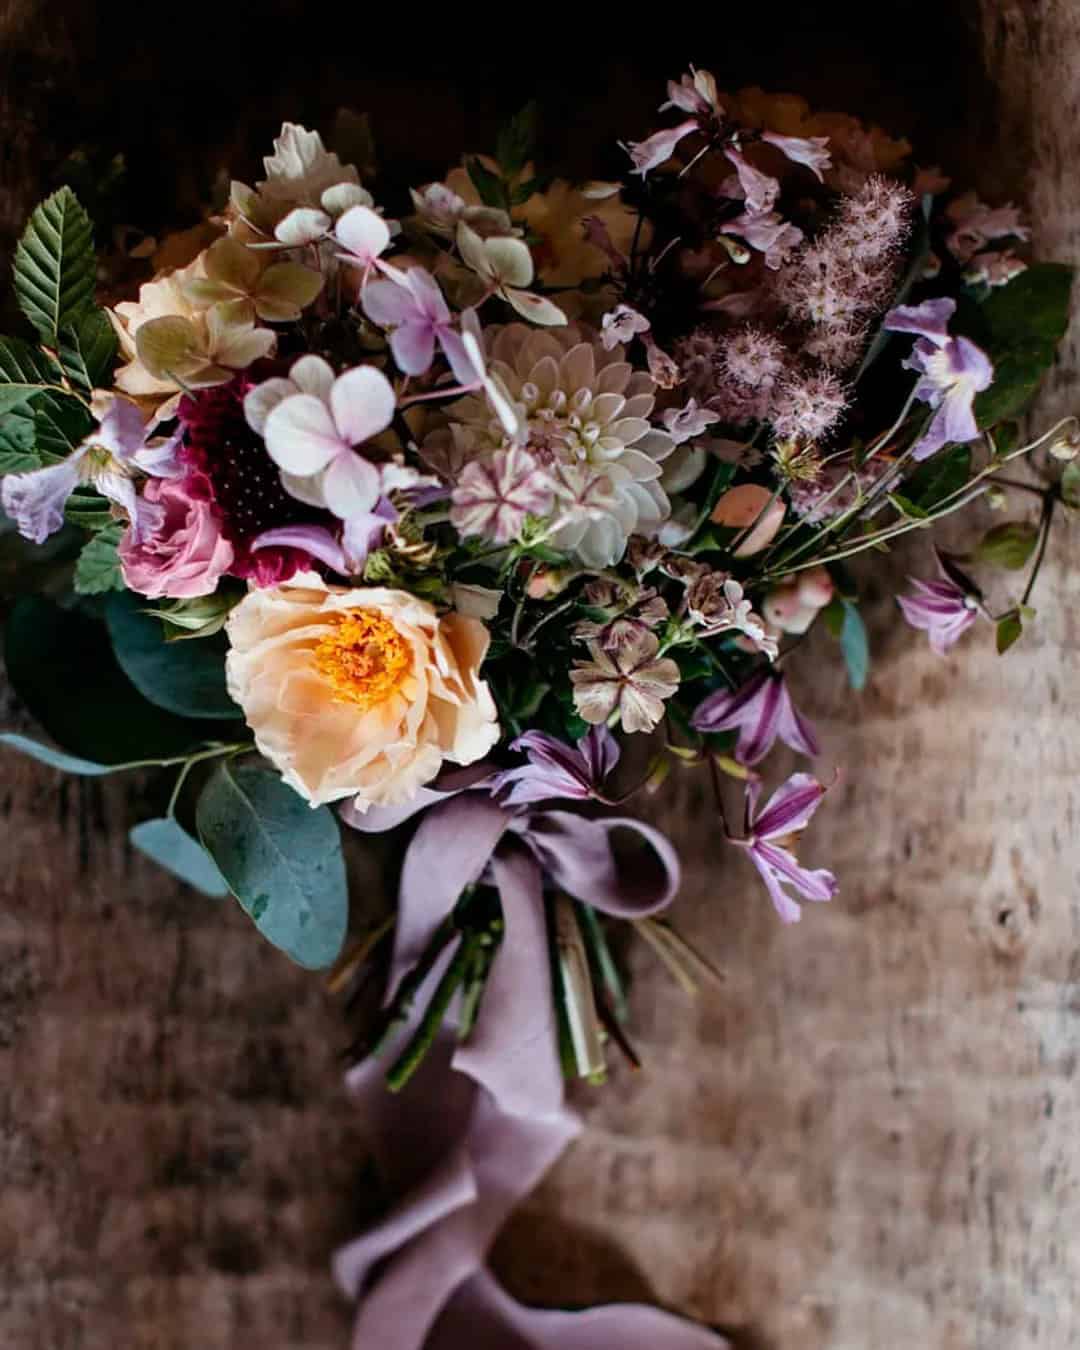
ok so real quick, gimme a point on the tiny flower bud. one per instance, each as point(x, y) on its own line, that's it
point(1067, 445)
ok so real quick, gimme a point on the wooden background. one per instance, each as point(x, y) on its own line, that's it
point(868, 1139)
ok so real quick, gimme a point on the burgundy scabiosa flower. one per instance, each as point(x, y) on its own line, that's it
point(228, 465)
point(768, 841)
point(762, 712)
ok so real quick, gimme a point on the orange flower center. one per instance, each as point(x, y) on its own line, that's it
point(363, 657)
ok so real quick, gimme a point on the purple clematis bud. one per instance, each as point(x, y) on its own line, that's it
point(762, 712)
point(945, 609)
point(768, 836)
point(556, 769)
point(953, 371)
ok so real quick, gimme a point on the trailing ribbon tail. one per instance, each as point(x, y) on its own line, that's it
point(481, 1122)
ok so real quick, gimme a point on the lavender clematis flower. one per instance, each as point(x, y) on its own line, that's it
point(768, 833)
point(945, 609)
point(953, 371)
point(412, 306)
point(107, 460)
point(346, 553)
point(762, 713)
point(658, 148)
point(556, 769)
point(810, 151)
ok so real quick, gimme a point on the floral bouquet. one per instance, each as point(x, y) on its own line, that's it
point(490, 508)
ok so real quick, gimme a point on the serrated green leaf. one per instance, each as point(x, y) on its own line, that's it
point(87, 349)
point(98, 568)
point(489, 185)
point(61, 423)
point(855, 646)
point(516, 140)
point(1009, 544)
point(55, 265)
point(24, 372)
point(281, 859)
point(168, 844)
point(17, 452)
point(88, 510)
point(1009, 629)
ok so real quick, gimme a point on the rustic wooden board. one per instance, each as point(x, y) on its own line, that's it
point(867, 1140)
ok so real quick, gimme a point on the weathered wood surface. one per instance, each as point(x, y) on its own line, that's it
point(867, 1140)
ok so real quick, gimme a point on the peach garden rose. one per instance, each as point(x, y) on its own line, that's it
point(359, 693)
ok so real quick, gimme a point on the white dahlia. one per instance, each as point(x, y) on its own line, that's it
point(586, 417)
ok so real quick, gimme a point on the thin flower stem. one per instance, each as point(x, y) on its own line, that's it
point(1044, 539)
point(189, 764)
point(415, 1052)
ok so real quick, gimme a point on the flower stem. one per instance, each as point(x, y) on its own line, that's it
point(1044, 538)
point(414, 1053)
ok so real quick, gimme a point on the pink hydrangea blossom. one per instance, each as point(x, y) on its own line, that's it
point(412, 306)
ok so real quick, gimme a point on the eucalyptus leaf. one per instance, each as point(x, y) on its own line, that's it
point(281, 859)
point(855, 646)
point(55, 759)
point(55, 266)
point(188, 679)
point(61, 665)
point(168, 844)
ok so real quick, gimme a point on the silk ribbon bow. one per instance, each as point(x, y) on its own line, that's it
point(479, 1124)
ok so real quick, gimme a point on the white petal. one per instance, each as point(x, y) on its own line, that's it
point(535, 308)
point(362, 232)
point(351, 486)
point(313, 375)
point(363, 403)
point(302, 225)
point(262, 399)
point(300, 435)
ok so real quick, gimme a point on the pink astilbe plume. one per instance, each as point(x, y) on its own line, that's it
point(806, 406)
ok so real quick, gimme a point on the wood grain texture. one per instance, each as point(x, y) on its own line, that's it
point(866, 1140)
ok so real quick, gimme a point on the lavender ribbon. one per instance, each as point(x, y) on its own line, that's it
point(481, 1122)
